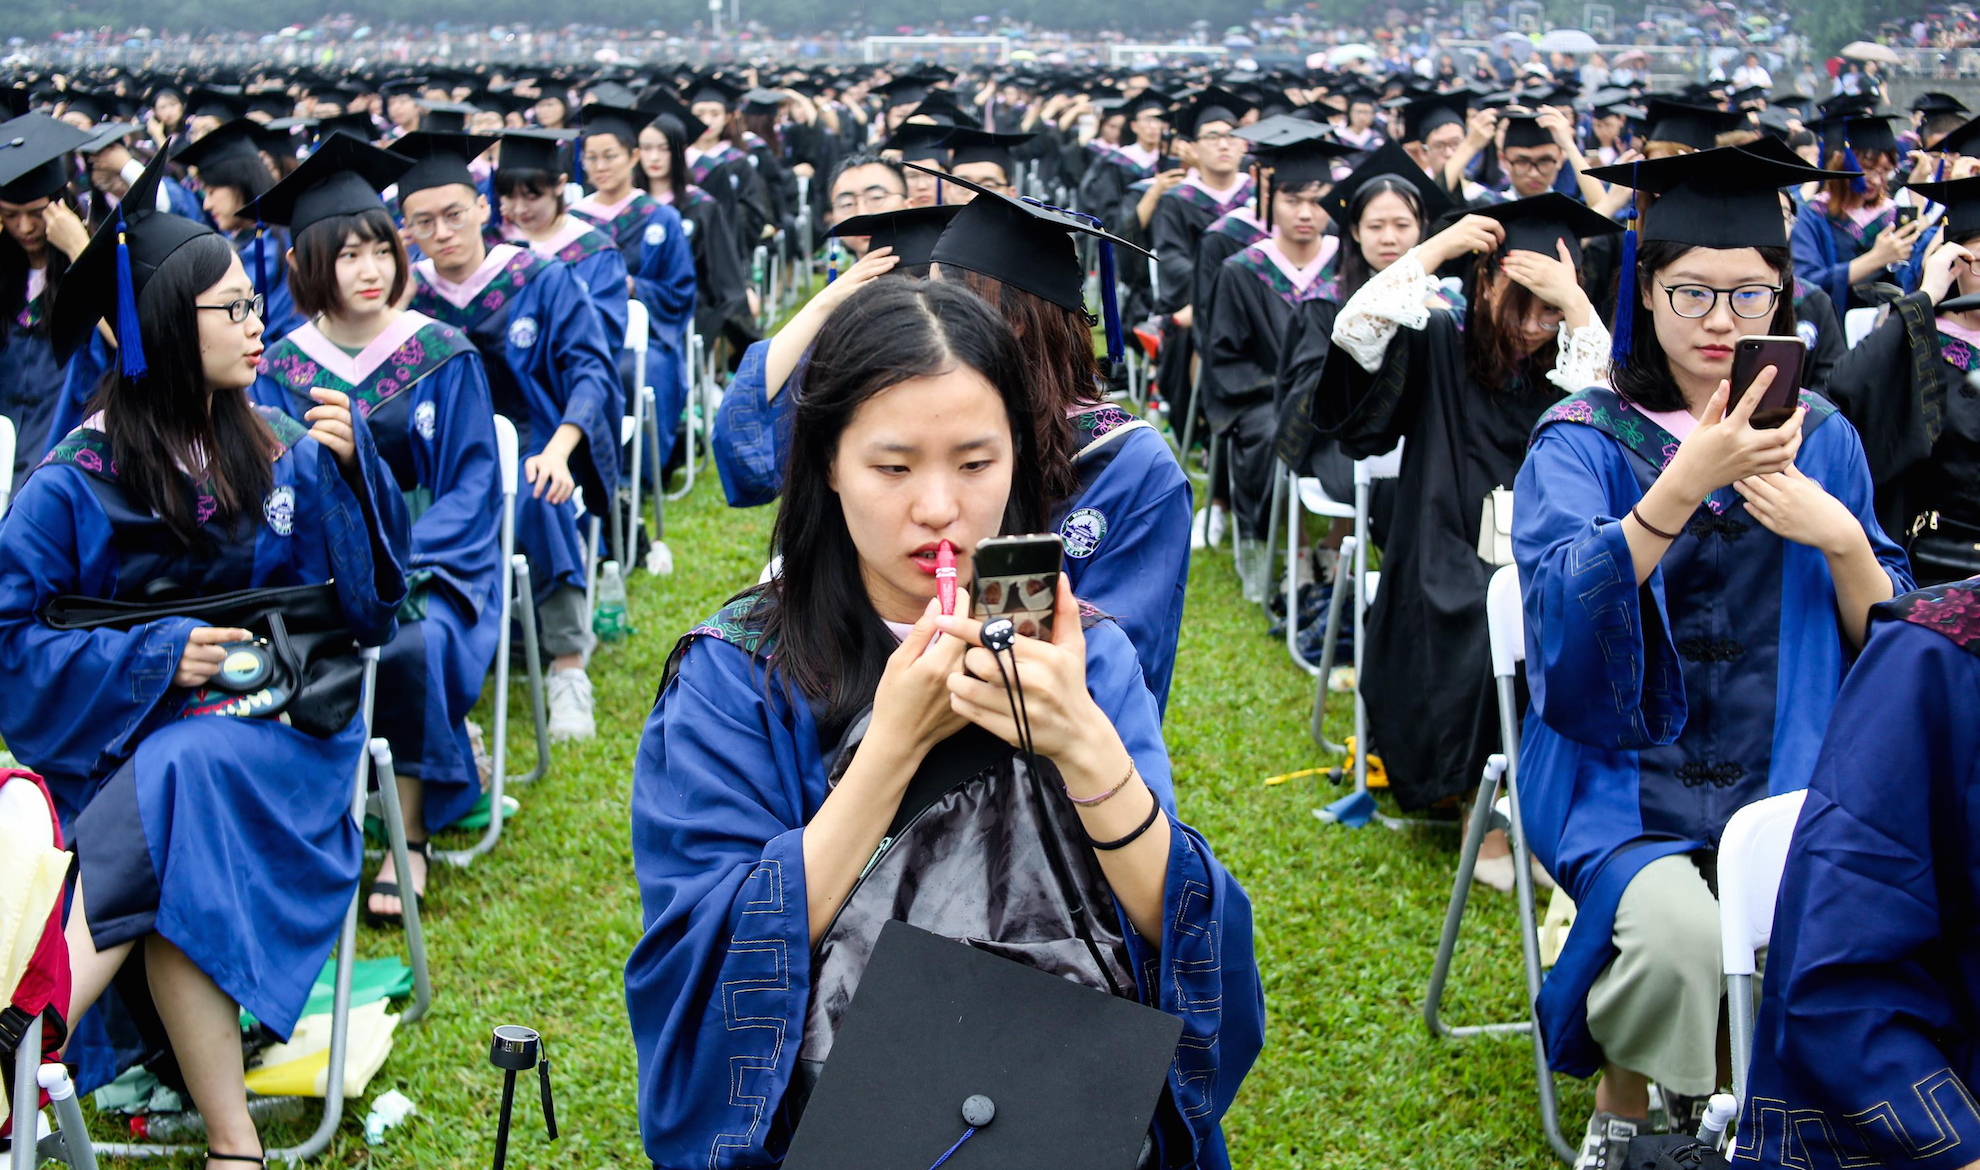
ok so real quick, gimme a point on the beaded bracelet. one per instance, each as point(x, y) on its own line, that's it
point(1090, 801)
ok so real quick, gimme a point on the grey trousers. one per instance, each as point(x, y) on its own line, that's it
point(1655, 1008)
point(564, 625)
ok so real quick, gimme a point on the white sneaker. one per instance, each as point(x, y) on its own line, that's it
point(1606, 1144)
point(1496, 872)
point(1198, 527)
point(571, 706)
point(1219, 524)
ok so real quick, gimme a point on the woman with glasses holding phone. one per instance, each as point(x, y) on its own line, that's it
point(1905, 388)
point(1694, 588)
point(216, 848)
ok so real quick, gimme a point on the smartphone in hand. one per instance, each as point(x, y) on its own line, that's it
point(1753, 354)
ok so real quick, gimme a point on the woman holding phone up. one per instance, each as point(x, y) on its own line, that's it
point(790, 724)
point(1694, 586)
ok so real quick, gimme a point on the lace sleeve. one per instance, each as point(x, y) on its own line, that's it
point(1391, 298)
point(1583, 360)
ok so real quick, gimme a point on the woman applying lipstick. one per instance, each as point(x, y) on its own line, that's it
point(220, 847)
point(422, 389)
point(789, 726)
point(1694, 588)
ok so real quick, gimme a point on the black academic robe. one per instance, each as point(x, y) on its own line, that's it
point(1904, 388)
point(1817, 324)
point(1181, 218)
point(1431, 706)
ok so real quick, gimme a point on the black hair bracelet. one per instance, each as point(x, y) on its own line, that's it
point(1154, 810)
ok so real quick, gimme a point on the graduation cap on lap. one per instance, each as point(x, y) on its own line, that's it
point(1029, 246)
point(948, 1050)
point(343, 177)
point(31, 150)
point(106, 280)
point(910, 231)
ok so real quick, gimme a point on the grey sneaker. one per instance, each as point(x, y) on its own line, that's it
point(1606, 1146)
point(570, 706)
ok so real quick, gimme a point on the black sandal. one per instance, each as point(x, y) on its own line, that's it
point(250, 1159)
point(391, 889)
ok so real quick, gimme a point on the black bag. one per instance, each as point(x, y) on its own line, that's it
point(1673, 1151)
point(317, 678)
point(1943, 550)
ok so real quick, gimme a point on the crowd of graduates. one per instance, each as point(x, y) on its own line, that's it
point(259, 332)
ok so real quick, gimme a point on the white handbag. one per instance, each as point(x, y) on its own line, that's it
point(1495, 527)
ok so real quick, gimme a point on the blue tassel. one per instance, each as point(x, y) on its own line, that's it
point(1623, 331)
point(1110, 306)
point(1939, 176)
point(832, 260)
point(130, 346)
point(577, 161)
point(261, 284)
point(1850, 164)
point(938, 192)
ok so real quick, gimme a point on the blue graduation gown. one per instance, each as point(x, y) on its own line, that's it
point(729, 771)
point(425, 398)
point(78, 382)
point(548, 362)
point(249, 856)
point(1876, 945)
point(655, 244)
point(1659, 711)
point(270, 277)
point(30, 384)
point(752, 436)
point(1126, 531)
point(1823, 248)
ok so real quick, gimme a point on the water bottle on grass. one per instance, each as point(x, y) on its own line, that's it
point(610, 621)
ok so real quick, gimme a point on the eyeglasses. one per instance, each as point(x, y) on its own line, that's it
point(1444, 147)
point(1543, 163)
point(592, 159)
point(423, 226)
point(1751, 301)
point(237, 311)
point(1214, 138)
point(878, 198)
point(992, 184)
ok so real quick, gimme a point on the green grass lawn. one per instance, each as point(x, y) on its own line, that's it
point(1346, 920)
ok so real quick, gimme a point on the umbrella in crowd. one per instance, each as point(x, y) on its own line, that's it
point(1870, 51)
point(1568, 40)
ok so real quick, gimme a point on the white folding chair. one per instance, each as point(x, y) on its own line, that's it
point(340, 1002)
point(1506, 623)
point(9, 439)
point(517, 598)
point(644, 423)
point(696, 370)
point(1752, 855)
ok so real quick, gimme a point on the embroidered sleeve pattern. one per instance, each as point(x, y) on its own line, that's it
point(1392, 298)
point(1583, 359)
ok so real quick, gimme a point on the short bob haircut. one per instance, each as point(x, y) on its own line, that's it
point(533, 182)
point(313, 259)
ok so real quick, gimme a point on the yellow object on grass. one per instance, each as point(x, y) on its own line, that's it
point(301, 1068)
point(1378, 776)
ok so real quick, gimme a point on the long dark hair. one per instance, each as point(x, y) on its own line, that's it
point(1355, 269)
point(1494, 325)
point(168, 419)
point(831, 643)
point(679, 176)
point(764, 126)
point(14, 279)
point(1645, 377)
point(1063, 371)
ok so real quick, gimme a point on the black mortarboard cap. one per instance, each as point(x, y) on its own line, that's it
point(1028, 245)
point(669, 106)
point(1934, 102)
point(1211, 104)
point(910, 231)
point(942, 108)
point(1851, 133)
point(16, 100)
point(945, 1043)
point(109, 134)
point(1524, 131)
point(221, 101)
point(343, 177)
point(714, 89)
point(1751, 93)
point(91, 104)
point(1421, 115)
point(533, 150)
point(1538, 223)
point(969, 145)
point(1698, 127)
point(106, 280)
point(921, 142)
point(31, 150)
point(440, 159)
point(905, 90)
point(358, 125)
point(235, 139)
point(1727, 197)
point(762, 101)
point(1961, 199)
point(1147, 99)
point(402, 85)
point(1392, 160)
point(450, 116)
point(273, 102)
point(1962, 139)
point(624, 121)
point(1297, 151)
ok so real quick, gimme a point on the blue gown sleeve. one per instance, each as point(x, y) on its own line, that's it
point(753, 432)
point(665, 280)
point(365, 531)
point(603, 275)
point(1815, 258)
point(584, 375)
point(1202, 970)
point(1140, 571)
point(1599, 657)
point(1883, 829)
point(79, 381)
point(716, 988)
point(97, 693)
point(452, 536)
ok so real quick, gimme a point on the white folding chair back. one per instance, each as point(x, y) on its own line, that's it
point(9, 439)
point(1505, 619)
point(1752, 855)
